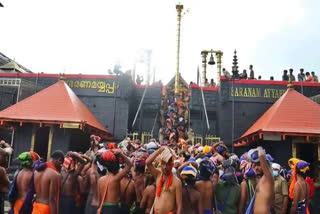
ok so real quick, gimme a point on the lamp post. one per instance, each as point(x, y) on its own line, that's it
point(204, 55)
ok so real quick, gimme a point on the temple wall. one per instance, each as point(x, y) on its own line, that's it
point(22, 139)
point(147, 117)
point(61, 139)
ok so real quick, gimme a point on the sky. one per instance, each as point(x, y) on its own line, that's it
point(90, 37)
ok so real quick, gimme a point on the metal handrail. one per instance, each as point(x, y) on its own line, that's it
point(204, 103)
point(154, 123)
point(139, 108)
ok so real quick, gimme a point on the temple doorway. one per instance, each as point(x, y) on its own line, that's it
point(41, 142)
point(79, 141)
point(308, 152)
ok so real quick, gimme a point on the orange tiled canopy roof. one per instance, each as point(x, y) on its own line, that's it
point(56, 104)
point(292, 114)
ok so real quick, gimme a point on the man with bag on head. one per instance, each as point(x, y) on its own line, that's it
point(22, 180)
point(168, 191)
point(72, 167)
point(5, 152)
point(206, 184)
point(227, 191)
point(109, 185)
point(299, 190)
point(261, 165)
point(187, 173)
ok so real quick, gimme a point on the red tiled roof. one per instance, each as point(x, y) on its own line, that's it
point(292, 114)
point(56, 104)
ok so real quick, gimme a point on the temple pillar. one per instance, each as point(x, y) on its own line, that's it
point(204, 55)
point(294, 150)
point(50, 142)
point(33, 137)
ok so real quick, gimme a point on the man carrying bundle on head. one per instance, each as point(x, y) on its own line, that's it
point(149, 194)
point(22, 179)
point(298, 190)
point(168, 192)
point(190, 196)
point(261, 165)
point(248, 184)
point(205, 186)
point(227, 189)
point(139, 179)
point(94, 146)
point(128, 194)
point(72, 167)
point(92, 176)
point(220, 151)
point(109, 185)
point(5, 152)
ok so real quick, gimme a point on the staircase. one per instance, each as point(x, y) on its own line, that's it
point(174, 114)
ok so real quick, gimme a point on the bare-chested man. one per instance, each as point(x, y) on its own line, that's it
point(84, 186)
point(23, 178)
point(92, 177)
point(190, 196)
point(47, 186)
point(70, 185)
point(109, 185)
point(5, 151)
point(299, 190)
point(169, 189)
point(139, 181)
point(94, 146)
point(149, 194)
point(248, 185)
point(264, 190)
point(4, 185)
point(128, 194)
point(205, 186)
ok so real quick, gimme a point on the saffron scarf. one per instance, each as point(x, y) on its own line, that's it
point(296, 164)
point(51, 165)
point(169, 182)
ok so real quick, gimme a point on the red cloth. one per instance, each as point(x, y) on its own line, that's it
point(112, 146)
point(312, 189)
point(69, 164)
point(51, 165)
point(34, 156)
point(109, 156)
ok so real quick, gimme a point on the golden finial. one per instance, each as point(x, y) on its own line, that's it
point(289, 85)
point(62, 77)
